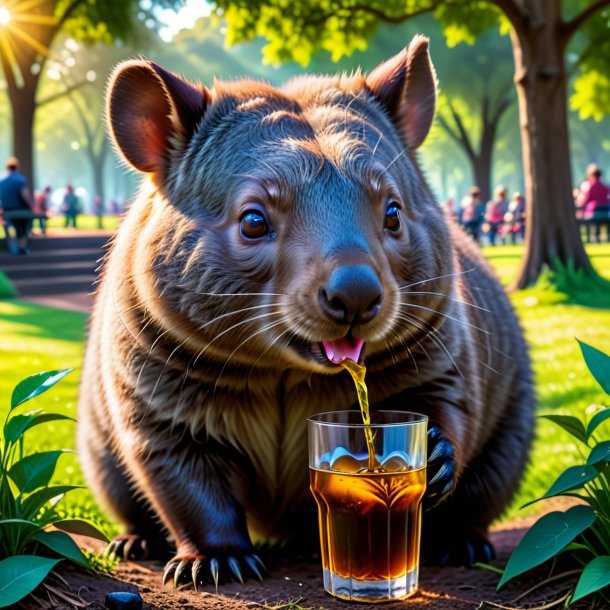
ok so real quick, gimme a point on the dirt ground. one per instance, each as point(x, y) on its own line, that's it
point(301, 583)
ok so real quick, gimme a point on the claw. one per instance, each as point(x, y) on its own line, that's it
point(180, 570)
point(235, 568)
point(443, 472)
point(489, 552)
point(251, 563)
point(214, 571)
point(127, 548)
point(168, 572)
point(195, 572)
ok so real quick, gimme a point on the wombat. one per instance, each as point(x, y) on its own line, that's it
point(277, 232)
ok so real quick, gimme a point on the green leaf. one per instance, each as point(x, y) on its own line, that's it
point(34, 470)
point(34, 385)
point(570, 424)
point(599, 453)
point(599, 365)
point(21, 522)
point(594, 577)
point(596, 420)
point(82, 528)
point(34, 502)
point(18, 424)
point(63, 545)
point(547, 537)
point(574, 477)
point(20, 575)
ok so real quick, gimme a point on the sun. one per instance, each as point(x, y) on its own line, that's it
point(5, 16)
point(16, 20)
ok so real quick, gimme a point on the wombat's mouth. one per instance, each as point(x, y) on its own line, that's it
point(331, 352)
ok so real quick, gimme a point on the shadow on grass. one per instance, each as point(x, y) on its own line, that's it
point(43, 322)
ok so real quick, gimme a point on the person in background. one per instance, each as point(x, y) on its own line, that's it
point(70, 206)
point(98, 210)
point(41, 208)
point(594, 202)
point(449, 208)
point(494, 213)
point(514, 219)
point(16, 202)
point(471, 212)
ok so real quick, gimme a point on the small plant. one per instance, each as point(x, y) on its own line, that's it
point(33, 538)
point(582, 531)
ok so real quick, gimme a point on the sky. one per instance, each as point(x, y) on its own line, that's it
point(184, 18)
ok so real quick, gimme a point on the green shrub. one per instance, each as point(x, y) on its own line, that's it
point(7, 290)
point(582, 531)
point(33, 538)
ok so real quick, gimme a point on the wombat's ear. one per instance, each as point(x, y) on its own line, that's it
point(406, 86)
point(151, 112)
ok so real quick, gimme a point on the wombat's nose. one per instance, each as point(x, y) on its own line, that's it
point(352, 295)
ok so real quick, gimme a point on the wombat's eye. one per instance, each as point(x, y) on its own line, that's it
point(392, 216)
point(253, 224)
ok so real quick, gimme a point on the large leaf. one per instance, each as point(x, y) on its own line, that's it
point(598, 363)
point(570, 424)
point(34, 385)
point(63, 545)
point(549, 535)
point(34, 502)
point(594, 577)
point(18, 424)
point(80, 527)
point(599, 453)
point(20, 575)
point(574, 477)
point(596, 420)
point(34, 471)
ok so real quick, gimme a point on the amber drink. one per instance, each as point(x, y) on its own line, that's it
point(369, 513)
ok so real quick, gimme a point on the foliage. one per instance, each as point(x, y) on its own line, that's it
point(582, 531)
point(7, 289)
point(31, 526)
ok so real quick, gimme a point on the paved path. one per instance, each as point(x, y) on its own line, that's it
point(60, 270)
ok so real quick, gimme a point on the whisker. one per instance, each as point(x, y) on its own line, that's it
point(240, 294)
point(445, 315)
point(439, 277)
point(430, 333)
point(402, 152)
point(376, 145)
point(248, 338)
point(451, 298)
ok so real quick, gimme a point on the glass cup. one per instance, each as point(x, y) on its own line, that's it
point(369, 502)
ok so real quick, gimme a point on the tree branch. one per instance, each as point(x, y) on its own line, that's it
point(68, 13)
point(60, 94)
point(514, 11)
point(569, 27)
point(464, 137)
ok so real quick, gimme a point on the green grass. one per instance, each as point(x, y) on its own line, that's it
point(35, 338)
point(84, 221)
point(6, 287)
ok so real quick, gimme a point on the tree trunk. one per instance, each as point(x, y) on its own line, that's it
point(481, 169)
point(552, 233)
point(23, 106)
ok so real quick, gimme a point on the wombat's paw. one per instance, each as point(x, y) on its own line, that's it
point(135, 546)
point(441, 467)
point(198, 570)
point(466, 550)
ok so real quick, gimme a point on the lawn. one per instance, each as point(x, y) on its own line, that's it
point(84, 221)
point(35, 338)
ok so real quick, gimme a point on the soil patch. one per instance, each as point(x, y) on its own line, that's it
point(301, 584)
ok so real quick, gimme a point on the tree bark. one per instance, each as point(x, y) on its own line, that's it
point(552, 233)
point(23, 107)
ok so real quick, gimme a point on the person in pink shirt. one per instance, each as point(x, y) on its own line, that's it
point(594, 201)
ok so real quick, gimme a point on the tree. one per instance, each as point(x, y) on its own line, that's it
point(27, 31)
point(475, 94)
point(540, 31)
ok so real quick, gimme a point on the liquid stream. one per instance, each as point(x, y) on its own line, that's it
point(358, 371)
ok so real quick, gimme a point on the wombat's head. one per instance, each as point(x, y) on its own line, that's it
point(281, 225)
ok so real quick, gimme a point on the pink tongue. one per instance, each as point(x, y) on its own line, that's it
point(340, 349)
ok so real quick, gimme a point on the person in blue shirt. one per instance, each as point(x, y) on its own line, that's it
point(16, 204)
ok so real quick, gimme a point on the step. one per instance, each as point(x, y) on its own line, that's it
point(90, 255)
point(57, 243)
point(50, 270)
point(42, 286)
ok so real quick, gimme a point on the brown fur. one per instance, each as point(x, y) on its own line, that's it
point(194, 412)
